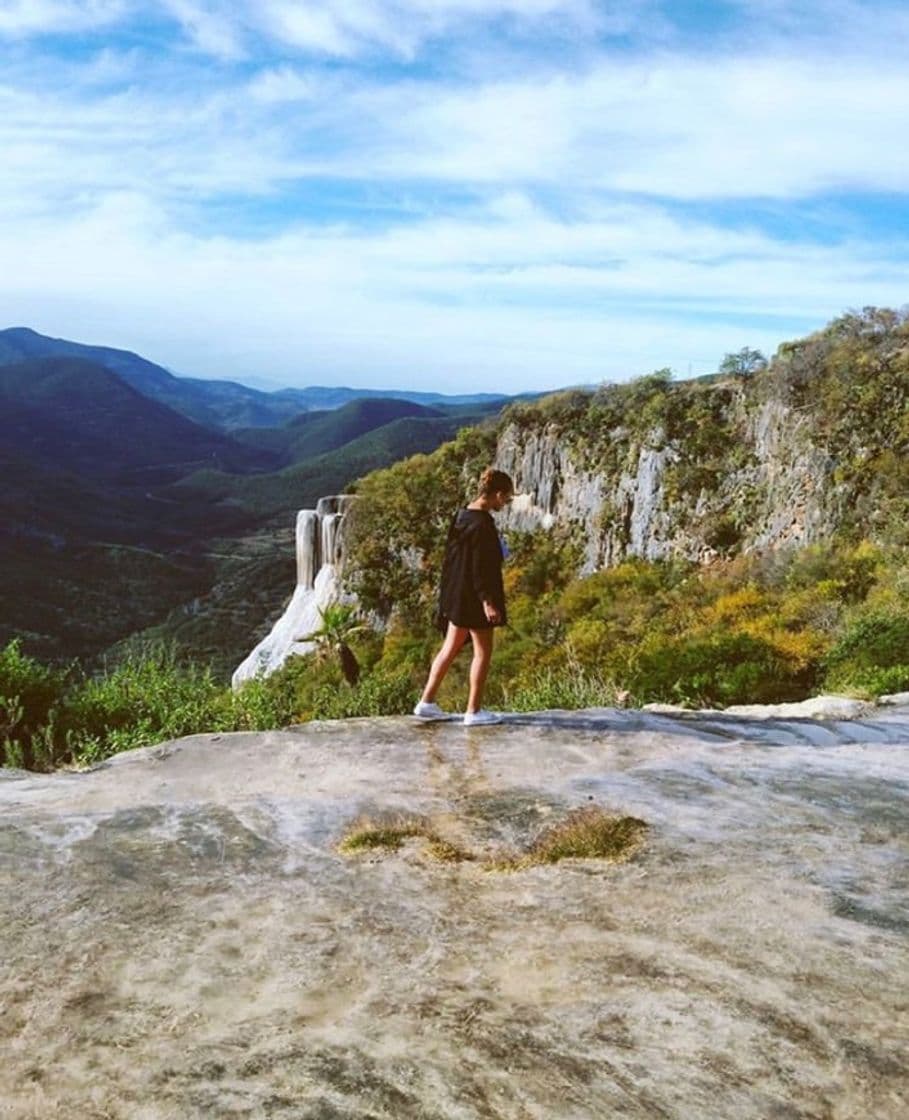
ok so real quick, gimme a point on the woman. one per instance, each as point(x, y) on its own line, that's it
point(472, 598)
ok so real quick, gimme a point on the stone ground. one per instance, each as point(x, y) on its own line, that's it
point(182, 938)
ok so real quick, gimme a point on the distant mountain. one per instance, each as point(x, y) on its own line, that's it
point(92, 544)
point(303, 483)
point(215, 404)
point(314, 433)
point(19, 344)
point(75, 415)
point(319, 396)
point(221, 404)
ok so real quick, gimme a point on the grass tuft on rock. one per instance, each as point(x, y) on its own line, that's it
point(367, 833)
point(588, 833)
point(446, 852)
point(389, 833)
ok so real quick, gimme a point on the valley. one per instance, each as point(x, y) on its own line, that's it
point(138, 506)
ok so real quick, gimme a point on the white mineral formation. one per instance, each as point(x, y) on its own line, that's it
point(320, 555)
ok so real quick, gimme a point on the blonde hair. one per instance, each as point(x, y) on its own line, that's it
point(493, 481)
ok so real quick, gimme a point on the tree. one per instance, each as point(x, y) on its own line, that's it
point(744, 363)
point(339, 624)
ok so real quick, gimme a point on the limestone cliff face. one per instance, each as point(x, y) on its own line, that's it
point(758, 478)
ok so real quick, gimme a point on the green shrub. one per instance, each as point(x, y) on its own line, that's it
point(873, 639)
point(714, 670)
point(378, 693)
point(144, 700)
point(872, 655)
point(28, 693)
point(267, 702)
point(873, 681)
point(50, 717)
point(849, 572)
point(571, 687)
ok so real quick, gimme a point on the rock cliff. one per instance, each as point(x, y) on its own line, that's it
point(634, 489)
point(788, 454)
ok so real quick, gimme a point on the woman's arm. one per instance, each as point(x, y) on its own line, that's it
point(486, 571)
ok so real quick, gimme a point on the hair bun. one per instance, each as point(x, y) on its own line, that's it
point(492, 481)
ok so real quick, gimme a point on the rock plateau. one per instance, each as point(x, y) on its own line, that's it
point(184, 939)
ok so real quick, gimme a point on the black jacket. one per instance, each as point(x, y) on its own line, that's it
point(471, 572)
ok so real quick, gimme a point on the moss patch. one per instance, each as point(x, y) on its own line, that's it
point(588, 833)
point(389, 833)
point(446, 852)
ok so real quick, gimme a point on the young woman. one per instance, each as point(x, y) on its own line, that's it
point(471, 598)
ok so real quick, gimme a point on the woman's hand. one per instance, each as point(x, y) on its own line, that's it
point(492, 612)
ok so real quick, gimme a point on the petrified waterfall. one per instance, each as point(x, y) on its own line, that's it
point(320, 555)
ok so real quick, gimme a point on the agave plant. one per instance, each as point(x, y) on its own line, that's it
point(340, 623)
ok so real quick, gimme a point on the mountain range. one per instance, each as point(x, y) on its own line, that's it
point(214, 403)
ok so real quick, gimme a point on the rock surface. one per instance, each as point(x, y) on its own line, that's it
point(182, 938)
point(815, 707)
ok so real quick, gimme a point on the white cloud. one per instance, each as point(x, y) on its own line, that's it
point(349, 29)
point(512, 295)
point(211, 27)
point(284, 84)
point(309, 27)
point(31, 17)
point(862, 26)
point(346, 28)
point(533, 230)
point(673, 126)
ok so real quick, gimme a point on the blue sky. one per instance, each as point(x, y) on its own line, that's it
point(449, 194)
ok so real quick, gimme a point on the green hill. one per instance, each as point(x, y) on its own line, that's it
point(83, 564)
point(78, 416)
point(92, 544)
point(299, 486)
point(311, 434)
point(116, 510)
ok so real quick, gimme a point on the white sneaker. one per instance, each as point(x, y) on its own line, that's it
point(472, 719)
point(429, 711)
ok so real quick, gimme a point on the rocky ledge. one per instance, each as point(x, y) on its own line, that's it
point(185, 936)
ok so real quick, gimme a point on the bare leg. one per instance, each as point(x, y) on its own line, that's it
point(455, 638)
point(479, 666)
